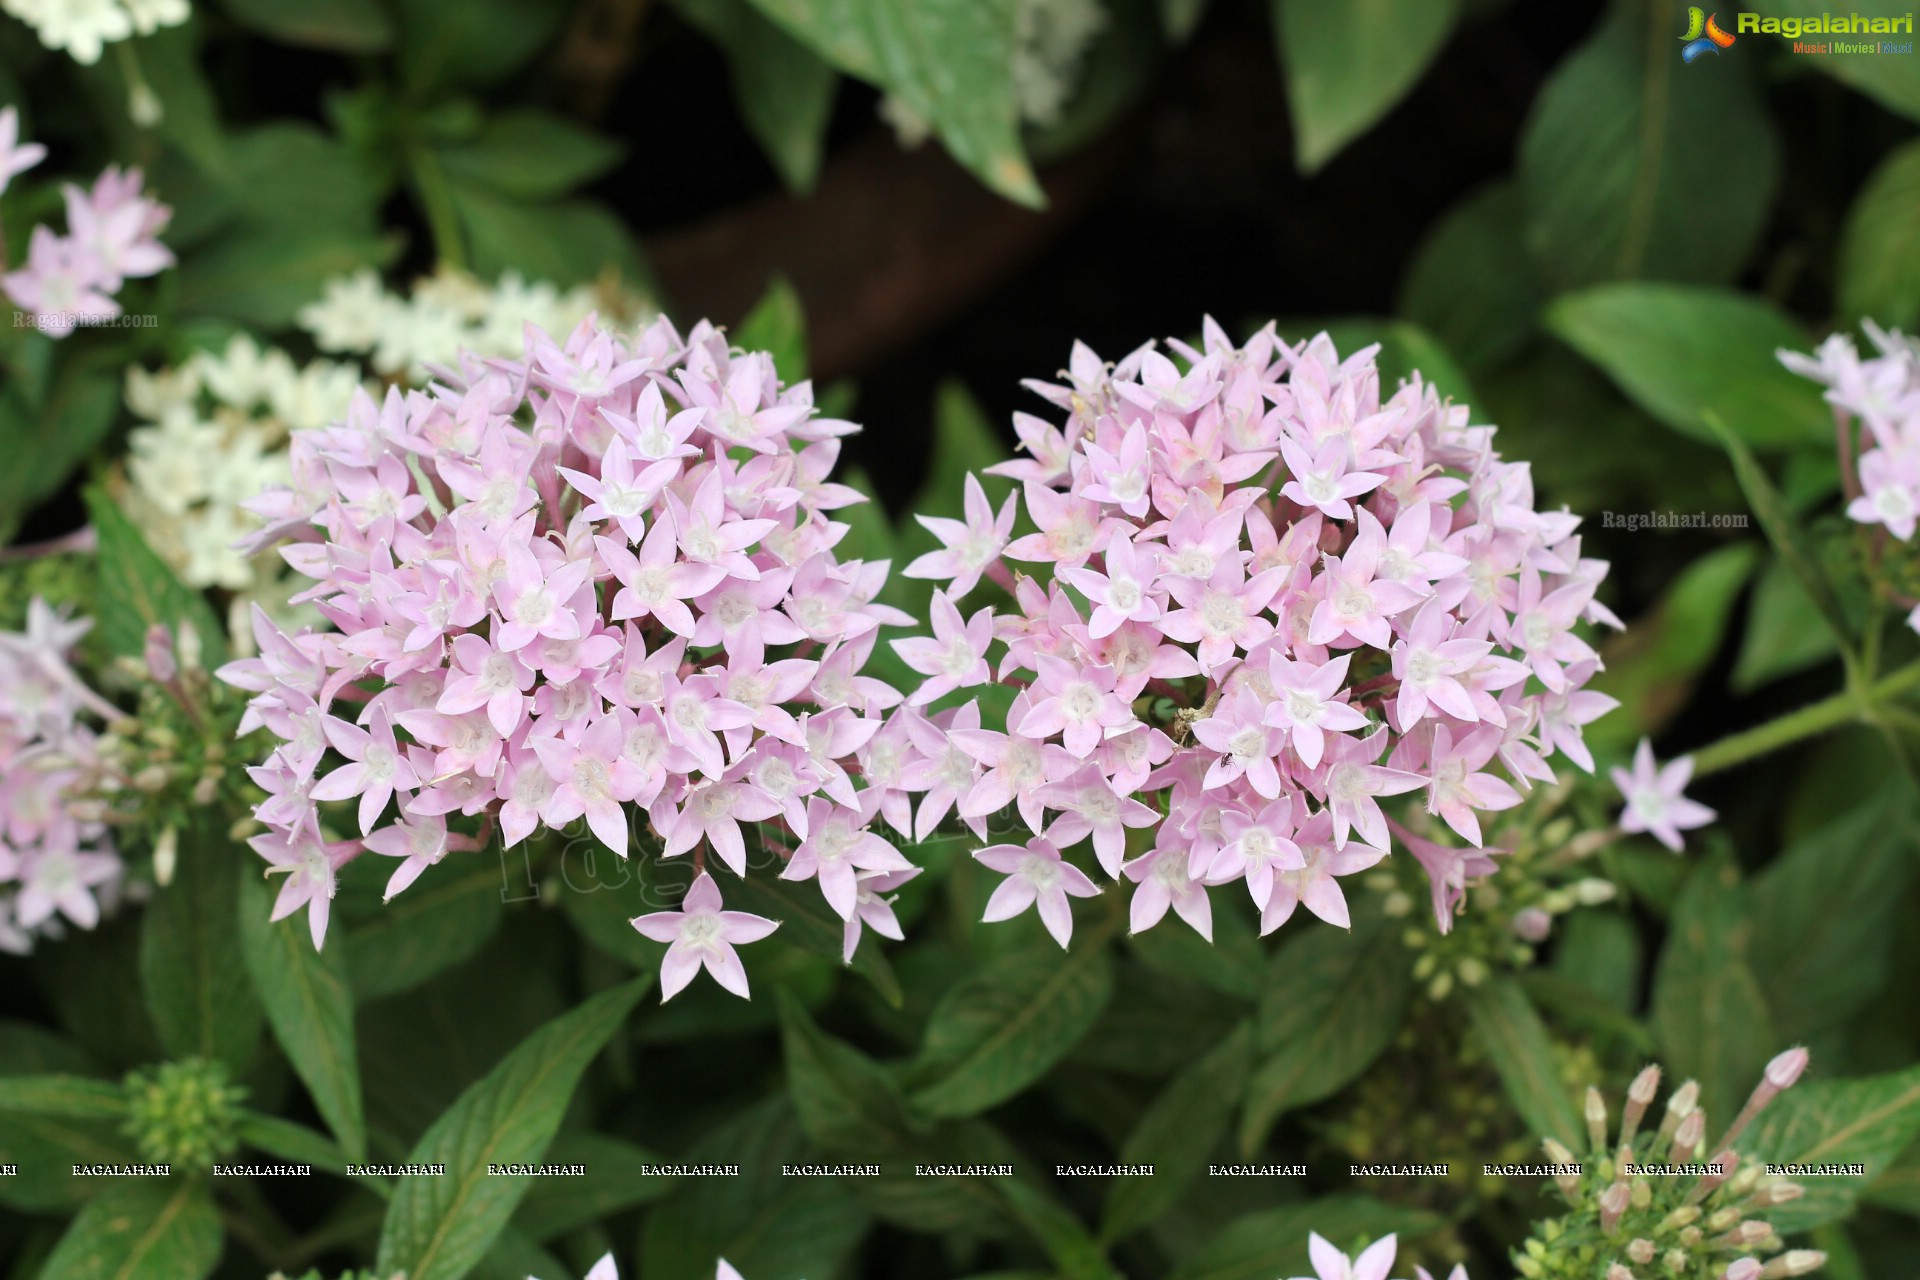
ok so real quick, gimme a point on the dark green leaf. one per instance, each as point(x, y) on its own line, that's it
point(1867, 1121)
point(1469, 286)
point(1517, 1043)
point(845, 1100)
point(1333, 1004)
point(1231, 963)
point(41, 1147)
point(1006, 1025)
point(1601, 951)
point(444, 919)
point(1827, 909)
point(949, 61)
point(289, 178)
point(784, 90)
point(471, 42)
point(1684, 354)
point(1180, 17)
point(163, 1230)
point(1708, 1011)
point(807, 922)
point(1880, 247)
point(1638, 166)
point(1348, 64)
point(1892, 80)
point(777, 325)
point(343, 26)
point(137, 589)
point(309, 1003)
point(568, 241)
point(294, 1143)
point(439, 1227)
point(616, 1179)
point(262, 277)
point(68, 1097)
point(1075, 1253)
point(196, 983)
point(1178, 1132)
point(528, 154)
point(1273, 1242)
point(83, 401)
point(1780, 639)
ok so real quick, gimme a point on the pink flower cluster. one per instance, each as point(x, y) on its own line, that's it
point(597, 577)
point(1876, 400)
point(112, 231)
point(54, 865)
point(1270, 600)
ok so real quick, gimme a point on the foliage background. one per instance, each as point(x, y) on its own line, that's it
point(1538, 205)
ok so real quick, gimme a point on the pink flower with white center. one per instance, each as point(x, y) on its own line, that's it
point(374, 771)
point(707, 535)
point(591, 777)
point(1305, 704)
point(1049, 453)
point(701, 935)
point(968, 546)
point(1428, 661)
point(1315, 884)
point(536, 599)
point(1258, 846)
point(1654, 803)
point(1324, 479)
point(62, 879)
point(1357, 604)
point(955, 657)
point(1036, 876)
point(1448, 868)
point(1223, 615)
point(16, 157)
point(1018, 771)
point(1543, 627)
point(873, 909)
point(624, 490)
point(1413, 553)
point(1123, 590)
point(944, 770)
point(1123, 478)
point(1353, 784)
point(738, 613)
point(1088, 806)
point(1164, 881)
point(1455, 785)
point(837, 848)
point(695, 713)
point(1331, 1264)
point(117, 226)
point(1563, 715)
point(1069, 527)
point(1078, 703)
point(1890, 484)
point(419, 841)
point(713, 811)
point(309, 866)
point(61, 282)
point(1247, 746)
point(488, 678)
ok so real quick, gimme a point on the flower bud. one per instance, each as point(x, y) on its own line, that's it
point(166, 853)
point(1640, 1096)
point(1617, 1272)
point(1742, 1269)
point(1613, 1205)
point(206, 789)
point(1640, 1251)
point(189, 646)
point(158, 654)
point(1596, 1112)
point(1723, 1219)
point(1593, 891)
point(1472, 971)
point(1533, 924)
point(1779, 1193)
point(1675, 1261)
point(1786, 1068)
point(1796, 1262)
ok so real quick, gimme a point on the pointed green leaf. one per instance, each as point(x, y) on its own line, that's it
point(441, 921)
point(68, 1097)
point(785, 92)
point(137, 589)
point(1708, 1010)
point(1892, 80)
point(198, 993)
point(1835, 1122)
point(777, 324)
point(1178, 1132)
point(161, 1230)
point(1880, 246)
point(438, 1227)
point(1348, 64)
point(309, 1004)
point(845, 1100)
point(1517, 1043)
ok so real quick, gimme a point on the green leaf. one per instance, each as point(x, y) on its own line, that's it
point(163, 1230)
point(779, 326)
point(1880, 245)
point(616, 1180)
point(1334, 1003)
point(567, 242)
point(808, 923)
point(1178, 1132)
point(438, 1227)
point(529, 154)
point(1348, 64)
point(69, 1097)
point(1273, 1242)
point(845, 1100)
point(784, 91)
point(1180, 17)
point(441, 921)
point(289, 178)
point(949, 61)
point(1892, 80)
point(1517, 1044)
point(1468, 287)
point(1778, 640)
point(296, 1144)
point(1708, 1011)
point(197, 989)
point(1231, 963)
point(1637, 166)
point(1601, 951)
point(1684, 353)
point(470, 42)
point(262, 277)
point(137, 589)
point(343, 26)
point(43, 1147)
point(1000, 1029)
point(1827, 908)
point(1867, 1121)
point(309, 1003)
point(84, 401)
point(763, 1223)
point(1076, 1255)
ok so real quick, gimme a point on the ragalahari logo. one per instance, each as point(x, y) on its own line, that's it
point(1704, 34)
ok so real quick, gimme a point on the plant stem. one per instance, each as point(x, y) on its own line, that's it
point(1829, 713)
point(436, 200)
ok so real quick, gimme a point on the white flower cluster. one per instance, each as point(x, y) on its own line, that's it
point(85, 27)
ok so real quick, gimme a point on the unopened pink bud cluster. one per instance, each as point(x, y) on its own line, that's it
point(112, 236)
point(594, 580)
point(55, 864)
point(1265, 599)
